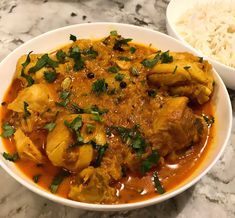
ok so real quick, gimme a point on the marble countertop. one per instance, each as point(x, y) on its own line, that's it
point(21, 20)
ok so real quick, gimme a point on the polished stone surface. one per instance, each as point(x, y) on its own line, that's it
point(21, 20)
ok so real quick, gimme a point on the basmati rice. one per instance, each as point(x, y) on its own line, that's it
point(210, 28)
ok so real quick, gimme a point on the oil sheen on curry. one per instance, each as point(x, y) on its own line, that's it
point(108, 121)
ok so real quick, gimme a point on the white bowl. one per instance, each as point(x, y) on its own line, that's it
point(174, 10)
point(59, 37)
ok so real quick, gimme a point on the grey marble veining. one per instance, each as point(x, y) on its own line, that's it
point(21, 20)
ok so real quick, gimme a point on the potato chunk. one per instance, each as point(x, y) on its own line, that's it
point(38, 97)
point(26, 148)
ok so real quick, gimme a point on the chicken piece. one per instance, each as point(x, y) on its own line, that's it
point(38, 97)
point(187, 76)
point(176, 127)
point(26, 148)
point(92, 187)
point(112, 166)
point(59, 141)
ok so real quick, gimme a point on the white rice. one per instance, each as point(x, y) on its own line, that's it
point(210, 28)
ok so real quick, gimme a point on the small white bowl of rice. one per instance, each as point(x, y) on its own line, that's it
point(207, 27)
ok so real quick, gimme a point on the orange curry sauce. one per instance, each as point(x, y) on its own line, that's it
point(133, 187)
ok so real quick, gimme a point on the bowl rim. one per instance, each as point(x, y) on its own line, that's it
point(171, 24)
point(126, 206)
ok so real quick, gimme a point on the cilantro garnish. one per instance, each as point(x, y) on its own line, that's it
point(113, 69)
point(11, 157)
point(119, 76)
point(49, 126)
point(151, 161)
point(119, 43)
point(132, 50)
point(36, 178)
point(113, 33)
point(50, 76)
point(158, 186)
point(101, 152)
point(60, 55)
point(73, 37)
point(57, 180)
point(75, 54)
point(43, 61)
point(99, 86)
point(8, 130)
point(28, 78)
point(91, 53)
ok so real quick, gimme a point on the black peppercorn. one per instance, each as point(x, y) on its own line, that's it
point(90, 75)
point(123, 84)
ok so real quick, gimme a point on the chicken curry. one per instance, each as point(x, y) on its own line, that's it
point(108, 121)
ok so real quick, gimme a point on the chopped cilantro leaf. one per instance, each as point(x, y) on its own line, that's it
point(77, 109)
point(28, 78)
point(75, 54)
point(113, 69)
point(91, 53)
point(27, 61)
point(119, 76)
point(49, 126)
point(57, 180)
point(118, 44)
point(133, 138)
point(134, 71)
point(99, 86)
point(166, 57)
point(113, 33)
point(8, 130)
point(73, 37)
point(64, 94)
point(97, 118)
point(101, 152)
point(158, 186)
point(36, 178)
point(11, 157)
point(62, 103)
point(95, 110)
point(60, 55)
point(42, 62)
point(132, 50)
point(50, 76)
point(200, 59)
point(150, 63)
point(75, 125)
point(209, 119)
point(151, 161)
point(123, 58)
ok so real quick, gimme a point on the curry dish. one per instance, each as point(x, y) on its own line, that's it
point(108, 121)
